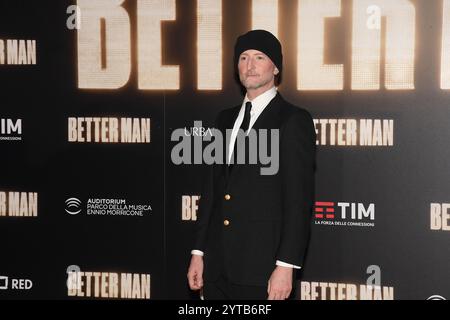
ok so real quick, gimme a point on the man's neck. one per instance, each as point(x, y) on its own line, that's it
point(254, 93)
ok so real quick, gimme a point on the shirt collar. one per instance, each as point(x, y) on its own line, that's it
point(261, 101)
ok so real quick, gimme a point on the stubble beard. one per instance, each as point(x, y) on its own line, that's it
point(249, 85)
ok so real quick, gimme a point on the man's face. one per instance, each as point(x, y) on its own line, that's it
point(256, 70)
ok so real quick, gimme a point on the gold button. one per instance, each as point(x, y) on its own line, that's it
point(226, 222)
point(227, 197)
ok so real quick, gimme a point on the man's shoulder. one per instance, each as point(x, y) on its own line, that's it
point(289, 112)
point(297, 121)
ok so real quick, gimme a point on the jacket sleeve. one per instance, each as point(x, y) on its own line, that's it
point(206, 202)
point(297, 165)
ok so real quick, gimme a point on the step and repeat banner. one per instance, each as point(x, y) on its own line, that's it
point(104, 102)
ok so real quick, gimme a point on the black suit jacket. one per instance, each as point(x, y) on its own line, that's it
point(269, 215)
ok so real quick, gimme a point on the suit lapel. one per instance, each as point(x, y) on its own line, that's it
point(270, 115)
point(228, 125)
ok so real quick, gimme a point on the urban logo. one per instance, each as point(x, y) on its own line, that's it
point(106, 207)
point(436, 297)
point(109, 130)
point(189, 207)
point(198, 131)
point(73, 206)
point(107, 284)
point(15, 284)
point(10, 129)
point(18, 204)
point(18, 52)
point(440, 216)
point(344, 214)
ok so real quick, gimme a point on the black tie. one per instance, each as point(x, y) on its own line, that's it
point(246, 122)
point(244, 126)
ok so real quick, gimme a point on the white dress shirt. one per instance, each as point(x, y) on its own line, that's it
point(258, 106)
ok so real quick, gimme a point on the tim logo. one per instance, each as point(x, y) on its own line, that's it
point(10, 129)
point(344, 214)
point(73, 206)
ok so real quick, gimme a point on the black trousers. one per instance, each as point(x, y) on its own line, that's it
point(222, 289)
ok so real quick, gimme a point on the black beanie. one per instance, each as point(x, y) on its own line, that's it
point(260, 40)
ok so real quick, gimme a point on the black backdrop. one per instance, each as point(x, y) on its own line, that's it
point(402, 180)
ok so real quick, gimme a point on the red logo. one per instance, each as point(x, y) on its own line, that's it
point(324, 210)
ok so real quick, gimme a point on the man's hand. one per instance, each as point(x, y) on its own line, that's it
point(195, 272)
point(280, 283)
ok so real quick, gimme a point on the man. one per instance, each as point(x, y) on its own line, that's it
point(253, 229)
